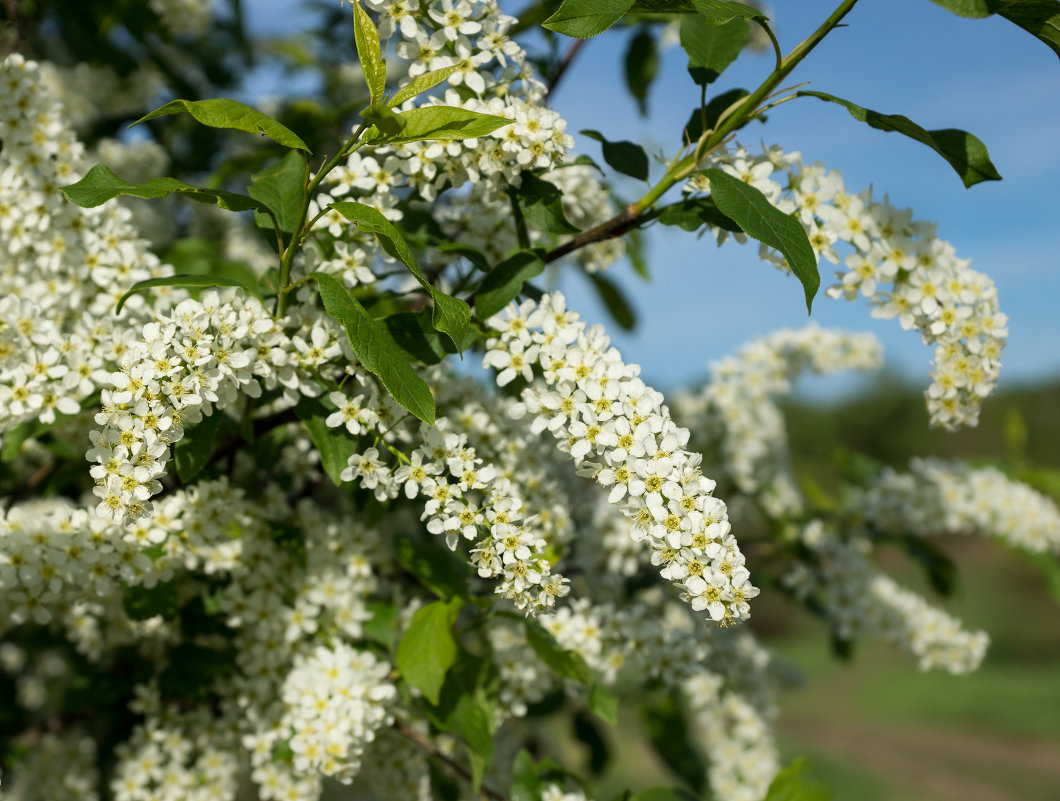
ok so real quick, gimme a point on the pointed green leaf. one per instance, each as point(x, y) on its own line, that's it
point(604, 704)
point(195, 256)
point(1040, 18)
point(335, 445)
point(183, 281)
point(282, 187)
point(975, 9)
point(385, 119)
point(427, 649)
point(626, 157)
point(641, 67)
point(376, 349)
point(719, 12)
point(451, 315)
point(965, 153)
point(438, 122)
point(692, 213)
point(191, 453)
point(711, 47)
point(466, 708)
point(569, 664)
point(711, 114)
point(224, 112)
point(584, 19)
point(366, 37)
point(506, 280)
point(420, 84)
point(541, 202)
point(760, 219)
point(615, 301)
point(100, 184)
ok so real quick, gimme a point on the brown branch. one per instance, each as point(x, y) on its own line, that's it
point(564, 65)
point(31, 483)
point(616, 226)
point(485, 792)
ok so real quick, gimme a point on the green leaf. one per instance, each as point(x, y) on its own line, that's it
point(626, 157)
point(976, 9)
point(369, 53)
point(420, 84)
point(719, 12)
point(335, 445)
point(541, 202)
point(692, 213)
point(1041, 18)
point(584, 19)
point(506, 280)
point(760, 219)
point(182, 281)
point(388, 121)
point(965, 153)
point(100, 185)
point(281, 187)
point(434, 566)
point(711, 114)
point(793, 784)
point(223, 112)
point(604, 704)
point(438, 122)
point(451, 315)
point(381, 627)
point(711, 47)
point(192, 452)
point(641, 67)
point(568, 664)
point(427, 648)
point(376, 349)
point(465, 708)
point(525, 784)
point(142, 602)
point(615, 300)
point(415, 335)
point(666, 726)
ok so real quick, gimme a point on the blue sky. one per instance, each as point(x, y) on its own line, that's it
point(895, 56)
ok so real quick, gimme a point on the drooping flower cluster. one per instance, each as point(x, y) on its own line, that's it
point(335, 698)
point(736, 415)
point(61, 268)
point(859, 600)
point(937, 497)
point(196, 361)
point(464, 498)
point(617, 430)
point(899, 265)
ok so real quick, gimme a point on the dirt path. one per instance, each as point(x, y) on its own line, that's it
point(938, 764)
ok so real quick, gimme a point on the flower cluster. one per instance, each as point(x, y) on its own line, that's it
point(335, 698)
point(899, 265)
point(859, 600)
point(196, 361)
point(617, 430)
point(464, 498)
point(736, 414)
point(61, 268)
point(937, 497)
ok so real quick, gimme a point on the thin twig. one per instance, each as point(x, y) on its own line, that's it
point(564, 65)
point(456, 767)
